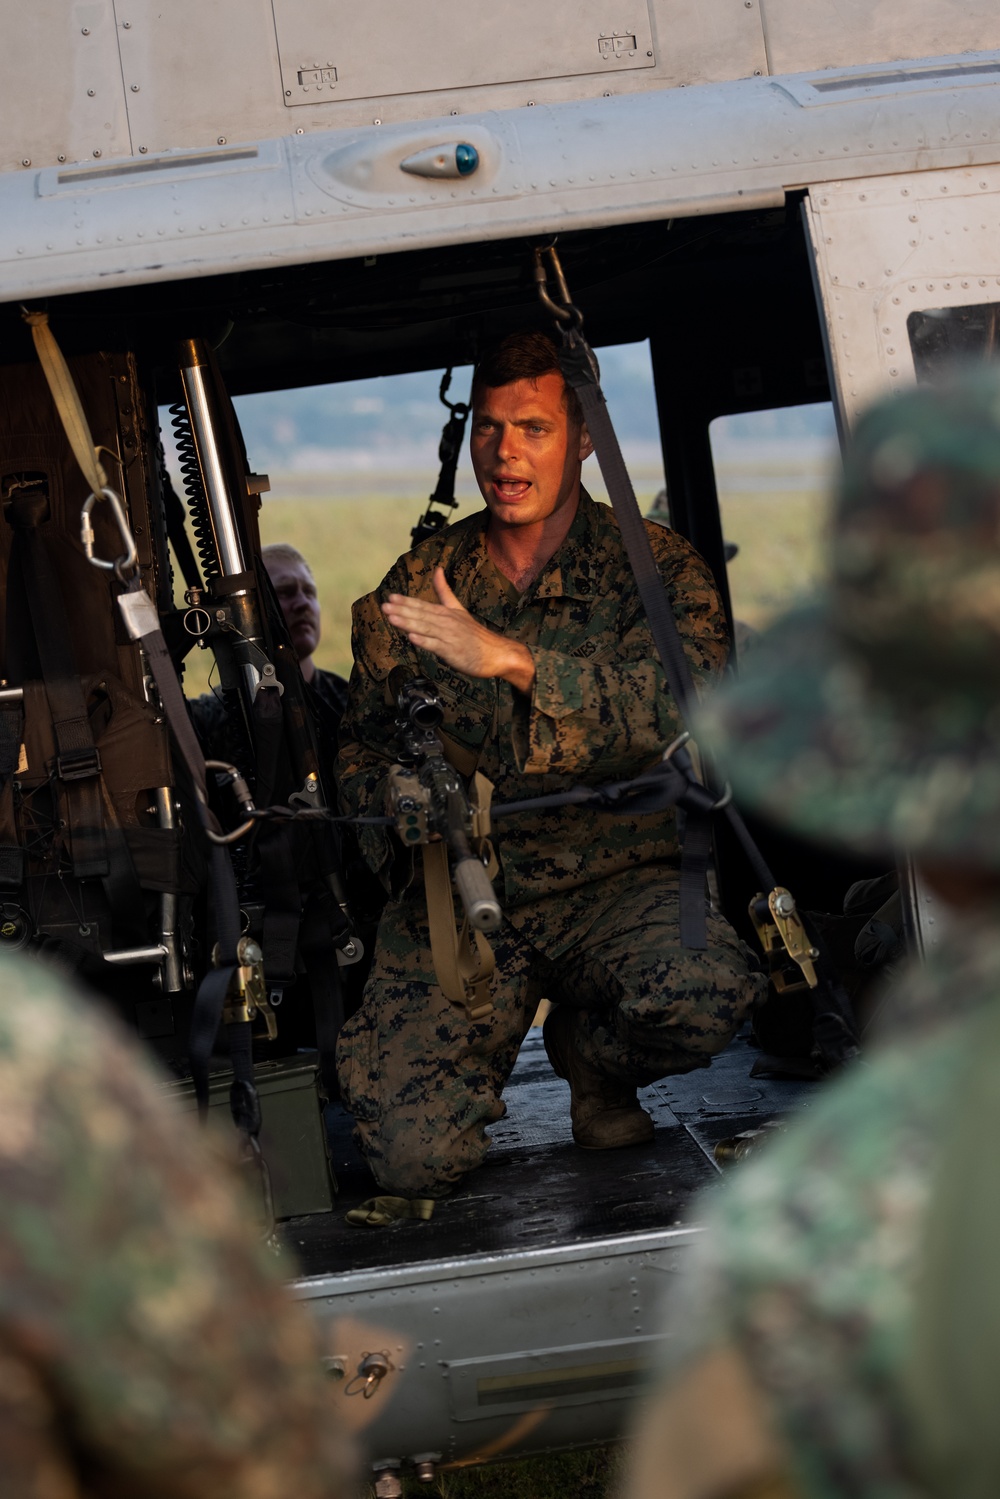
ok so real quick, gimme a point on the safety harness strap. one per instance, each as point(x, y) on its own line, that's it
point(316, 944)
point(12, 861)
point(833, 1026)
point(578, 369)
point(279, 879)
point(143, 624)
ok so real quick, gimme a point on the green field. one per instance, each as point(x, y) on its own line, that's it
point(351, 540)
point(594, 1474)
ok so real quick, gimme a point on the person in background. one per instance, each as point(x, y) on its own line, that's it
point(224, 738)
point(837, 1329)
point(293, 582)
point(295, 588)
point(146, 1343)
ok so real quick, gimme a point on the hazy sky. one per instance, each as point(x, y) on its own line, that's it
point(395, 421)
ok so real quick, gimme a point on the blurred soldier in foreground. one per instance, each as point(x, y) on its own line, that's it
point(146, 1345)
point(526, 620)
point(838, 1329)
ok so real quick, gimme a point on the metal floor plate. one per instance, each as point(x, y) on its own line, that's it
point(536, 1187)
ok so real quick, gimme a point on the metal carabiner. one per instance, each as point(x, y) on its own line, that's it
point(671, 750)
point(564, 311)
point(460, 409)
point(674, 746)
point(124, 566)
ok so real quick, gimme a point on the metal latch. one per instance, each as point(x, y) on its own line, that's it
point(781, 932)
point(622, 44)
point(247, 995)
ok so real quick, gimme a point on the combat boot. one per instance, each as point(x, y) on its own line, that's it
point(605, 1112)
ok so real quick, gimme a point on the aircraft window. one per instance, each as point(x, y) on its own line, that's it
point(352, 466)
point(943, 337)
point(627, 382)
point(773, 473)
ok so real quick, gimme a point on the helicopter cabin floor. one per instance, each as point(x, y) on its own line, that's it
point(536, 1188)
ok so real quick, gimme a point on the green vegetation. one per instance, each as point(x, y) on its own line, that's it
point(781, 539)
point(352, 540)
point(593, 1474)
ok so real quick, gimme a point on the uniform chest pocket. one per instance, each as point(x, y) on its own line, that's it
point(585, 628)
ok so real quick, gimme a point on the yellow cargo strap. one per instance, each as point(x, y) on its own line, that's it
point(463, 959)
point(67, 400)
point(380, 1212)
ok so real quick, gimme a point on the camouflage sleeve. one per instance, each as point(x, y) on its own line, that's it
point(131, 1285)
point(368, 731)
point(614, 708)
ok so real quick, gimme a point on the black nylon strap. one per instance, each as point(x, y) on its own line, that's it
point(175, 707)
point(12, 859)
point(282, 905)
point(244, 1102)
point(11, 734)
point(834, 1027)
point(273, 844)
point(205, 1021)
point(323, 971)
point(143, 625)
point(662, 624)
point(579, 371)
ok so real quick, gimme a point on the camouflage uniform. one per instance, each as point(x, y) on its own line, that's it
point(146, 1345)
point(812, 1252)
point(872, 720)
point(590, 900)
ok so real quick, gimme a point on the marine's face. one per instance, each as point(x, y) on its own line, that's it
point(526, 453)
point(296, 590)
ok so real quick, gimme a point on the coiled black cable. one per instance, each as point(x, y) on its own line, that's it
point(194, 488)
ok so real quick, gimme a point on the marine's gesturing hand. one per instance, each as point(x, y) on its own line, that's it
point(452, 634)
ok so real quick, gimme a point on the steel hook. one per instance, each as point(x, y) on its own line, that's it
point(564, 312)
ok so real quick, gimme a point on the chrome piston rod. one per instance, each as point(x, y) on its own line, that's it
point(198, 400)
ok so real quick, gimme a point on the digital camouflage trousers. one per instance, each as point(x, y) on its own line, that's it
point(423, 1081)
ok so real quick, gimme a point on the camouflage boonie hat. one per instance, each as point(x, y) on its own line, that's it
point(872, 719)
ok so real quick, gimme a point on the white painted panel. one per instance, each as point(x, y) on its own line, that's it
point(328, 195)
point(705, 41)
point(383, 48)
point(198, 70)
point(889, 246)
point(60, 84)
point(805, 34)
point(186, 74)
